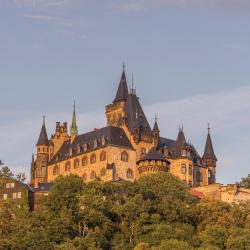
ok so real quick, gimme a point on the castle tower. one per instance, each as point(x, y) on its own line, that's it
point(210, 159)
point(156, 132)
point(42, 156)
point(115, 111)
point(73, 129)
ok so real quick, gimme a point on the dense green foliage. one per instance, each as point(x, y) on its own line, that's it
point(155, 212)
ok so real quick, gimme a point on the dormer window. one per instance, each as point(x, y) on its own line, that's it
point(85, 147)
point(70, 151)
point(78, 148)
point(95, 144)
point(103, 141)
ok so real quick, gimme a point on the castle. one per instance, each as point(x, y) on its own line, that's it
point(125, 149)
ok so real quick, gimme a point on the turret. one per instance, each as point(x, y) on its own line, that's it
point(42, 156)
point(73, 128)
point(181, 148)
point(156, 132)
point(115, 111)
point(210, 158)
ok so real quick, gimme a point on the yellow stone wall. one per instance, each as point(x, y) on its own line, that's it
point(113, 155)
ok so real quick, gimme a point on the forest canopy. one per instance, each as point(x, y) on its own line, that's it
point(156, 212)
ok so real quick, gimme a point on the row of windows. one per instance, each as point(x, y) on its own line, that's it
point(184, 169)
point(14, 196)
point(93, 175)
point(10, 185)
point(84, 161)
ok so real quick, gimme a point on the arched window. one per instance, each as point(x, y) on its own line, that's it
point(130, 174)
point(93, 175)
point(55, 170)
point(103, 172)
point(124, 156)
point(67, 166)
point(84, 177)
point(76, 163)
point(183, 168)
point(143, 152)
point(84, 161)
point(93, 159)
point(209, 174)
point(103, 156)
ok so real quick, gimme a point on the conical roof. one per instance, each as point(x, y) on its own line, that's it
point(209, 150)
point(135, 117)
point(122, 92)
point(43, 137)
point(156, 127)
point(74, 129)
point(153, 154)
point(179, 145)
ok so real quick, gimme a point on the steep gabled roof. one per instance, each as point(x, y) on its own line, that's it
point(43, 137)
point(156, 127)
point(135, 117)
point(122, 92)
point(179, 145)
point(113, 136)
point(209, 150)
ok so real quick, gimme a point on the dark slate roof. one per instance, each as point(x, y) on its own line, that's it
point(43, 187)
point(43, 137)
point(122, 92)
point(153, 154)
point(112, 135)
point(166, 142)
point(135, 117)
point(209, 150)
point(156, 127)
point(179, 145)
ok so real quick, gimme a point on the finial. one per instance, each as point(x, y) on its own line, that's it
point(156, 117)
point(182, 128)
point(74, 105)
point(123, 66)
point(44, 119)
point(132, 81)
point(208, 127)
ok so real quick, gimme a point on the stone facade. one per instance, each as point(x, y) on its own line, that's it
point(229, 193)
point(126, 148)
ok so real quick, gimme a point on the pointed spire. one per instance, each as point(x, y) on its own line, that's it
point(209, 150)
point(74, 129)
point(180, 143)
point(122, 92)
point(43, 138)
point(156, 127)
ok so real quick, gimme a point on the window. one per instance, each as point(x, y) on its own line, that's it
point(14, 195)
point(84, 161)
point(95, 144)
point(130, 174)
point(10, 185)
point(190, 170)
point(183, 168)
point(55, 170)
point(124, 156)
point(103, 156)
point(93, 175)
point(5, 196)
point(103, 172)
point(93, 159)
point(143, 152)
point(19, 195)
point(67, 166)
point(76, 163)
point(84, 177)
point(209, 174)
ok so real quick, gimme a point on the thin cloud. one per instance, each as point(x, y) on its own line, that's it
point(56, 20)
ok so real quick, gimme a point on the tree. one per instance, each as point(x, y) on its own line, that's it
point(5, 172)
point(173, 244)
point(21, 177)
point(142, 246)
point(245, 182)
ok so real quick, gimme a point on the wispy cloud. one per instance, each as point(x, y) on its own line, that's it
point(56, 20)
point(47, 3)
point(238, 47)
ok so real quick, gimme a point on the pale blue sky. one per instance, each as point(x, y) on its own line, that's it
point(190, 61)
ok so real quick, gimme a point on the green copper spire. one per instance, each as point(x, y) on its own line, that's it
point(74, 129)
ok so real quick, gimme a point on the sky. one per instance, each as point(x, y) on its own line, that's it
point(190, 60)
